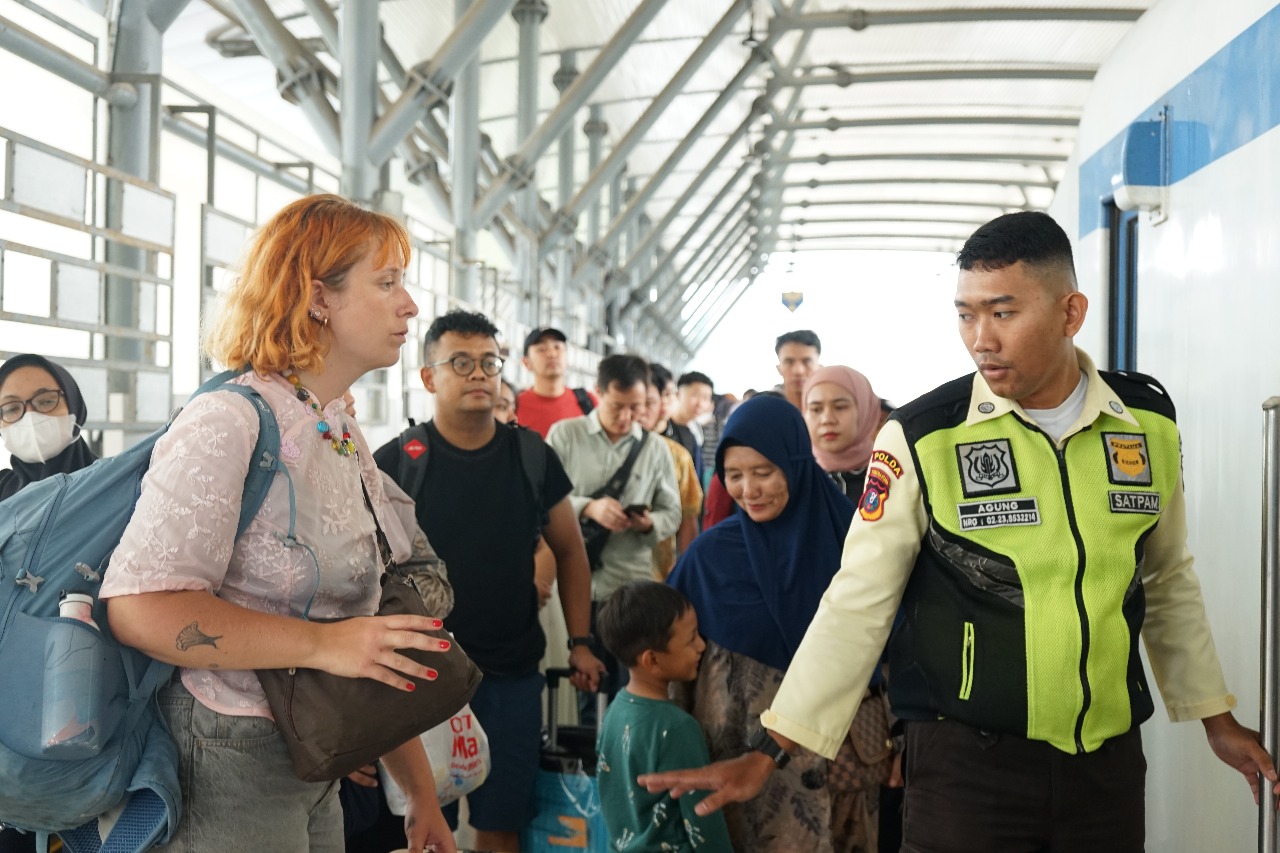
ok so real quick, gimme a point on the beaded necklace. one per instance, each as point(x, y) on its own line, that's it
point(345, 447)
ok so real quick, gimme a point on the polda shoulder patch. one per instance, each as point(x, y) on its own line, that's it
point(871, 507)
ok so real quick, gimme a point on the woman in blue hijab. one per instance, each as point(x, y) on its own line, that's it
point(755, 580)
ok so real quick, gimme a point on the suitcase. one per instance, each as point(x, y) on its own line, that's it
point(568, 799)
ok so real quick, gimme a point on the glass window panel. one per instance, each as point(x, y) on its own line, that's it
point(224, 239)
point(26, 284)
point(146, 306)
point(47, 183)
point(79, 293)
point(164, 309)
point(154, 397)
point(93, 387)
point(147, 215)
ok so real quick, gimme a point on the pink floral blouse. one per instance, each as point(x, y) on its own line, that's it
point(182, 534)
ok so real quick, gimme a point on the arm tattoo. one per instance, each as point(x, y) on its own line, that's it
point(191, 636)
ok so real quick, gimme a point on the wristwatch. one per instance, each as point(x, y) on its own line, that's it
point(764, 742)
point(584, 640)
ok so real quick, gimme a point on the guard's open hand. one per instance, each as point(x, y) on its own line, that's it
point(1241, 748)
point(733, 781)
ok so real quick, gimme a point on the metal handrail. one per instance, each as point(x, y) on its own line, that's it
point(1270, 654)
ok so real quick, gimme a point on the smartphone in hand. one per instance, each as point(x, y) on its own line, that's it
point(636, 509)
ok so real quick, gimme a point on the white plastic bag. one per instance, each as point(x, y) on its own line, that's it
point(459, 752)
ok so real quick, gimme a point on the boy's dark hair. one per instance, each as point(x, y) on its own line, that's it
point(1029, 236)
point(693, 377)
point(459, 322)
point(804, 337)
point(660, 377)
point(626, 370)
point(639, 617)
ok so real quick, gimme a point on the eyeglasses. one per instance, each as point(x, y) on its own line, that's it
point(464, 364)
point(44, 403)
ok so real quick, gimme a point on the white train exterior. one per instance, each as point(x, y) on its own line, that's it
point(1199, 83)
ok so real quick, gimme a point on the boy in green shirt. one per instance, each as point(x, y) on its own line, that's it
point(652, 629)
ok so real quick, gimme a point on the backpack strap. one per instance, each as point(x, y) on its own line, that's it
point(412, 470)
point(533, 459)
point(584, 400)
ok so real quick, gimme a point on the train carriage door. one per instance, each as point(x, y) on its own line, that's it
point(1122, 288)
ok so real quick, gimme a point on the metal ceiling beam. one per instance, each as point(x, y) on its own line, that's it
point(428, 83)
point(814, 183)
point(882, 236)
point(899, 202)
point(834, 124)
point(705, 314)
point(302, 74)
point(695, 283)
point(835, 220)
point(164, 12)
point(29, 46)
point(931, 156)
point(618, 156)
point(843, 76)
point(519, 167)
point(860, 19)
point(670, 255)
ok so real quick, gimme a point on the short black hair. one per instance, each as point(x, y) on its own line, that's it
point(460, 323)
point(624, 369)
point(659, 377)
point(639, 617)
point(804, 337)
point(1029, 236)
point(693, 377)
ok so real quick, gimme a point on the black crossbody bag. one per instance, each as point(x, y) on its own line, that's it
point(595, 535)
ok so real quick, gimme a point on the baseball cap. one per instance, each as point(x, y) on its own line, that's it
point(544, 332)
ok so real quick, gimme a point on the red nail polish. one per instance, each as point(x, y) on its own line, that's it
point(432, 675)
point(444, 645)
point(437, 624)
point(410, 686)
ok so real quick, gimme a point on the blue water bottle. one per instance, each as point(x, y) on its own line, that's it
point(71, 724)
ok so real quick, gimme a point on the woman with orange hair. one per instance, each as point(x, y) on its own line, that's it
point(320, 302)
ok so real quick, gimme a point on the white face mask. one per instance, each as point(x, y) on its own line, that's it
point(38, 438)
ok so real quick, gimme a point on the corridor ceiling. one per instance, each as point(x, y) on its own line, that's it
point(896, 124)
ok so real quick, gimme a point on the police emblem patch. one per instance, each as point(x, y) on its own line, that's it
point(987, 468)
point(1128, 463)
point(871, 507)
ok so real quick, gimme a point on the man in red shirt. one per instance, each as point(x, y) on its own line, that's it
point(549, 401)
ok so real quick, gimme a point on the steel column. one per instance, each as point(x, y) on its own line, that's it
point(428, 83)
point(358, 31)
point(1270, 651)
point(563, 79)
point(595, 129)
point(302, 74)
point(163, 13)
point(29, 46)
point(519, 165)
point(464, 146)
point(600, 176)
point(529, 15)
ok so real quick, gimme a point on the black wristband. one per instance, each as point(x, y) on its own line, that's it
point(764, 742)
point(584, 640)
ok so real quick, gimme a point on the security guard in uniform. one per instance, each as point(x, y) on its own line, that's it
point(1029, 519)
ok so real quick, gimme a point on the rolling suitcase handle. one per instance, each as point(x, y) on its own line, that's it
point(554, 676)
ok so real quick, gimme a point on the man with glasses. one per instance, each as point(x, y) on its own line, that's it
point(476, 503)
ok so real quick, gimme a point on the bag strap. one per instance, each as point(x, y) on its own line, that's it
point(613, 488)
point(412, 469)
point(584, 400)
point(533, 459)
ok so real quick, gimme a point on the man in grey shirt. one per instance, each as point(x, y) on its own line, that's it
point(593, 448)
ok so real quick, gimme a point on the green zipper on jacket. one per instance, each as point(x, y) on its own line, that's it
point(966, 663)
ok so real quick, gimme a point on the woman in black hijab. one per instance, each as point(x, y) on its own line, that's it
point(41, 415)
